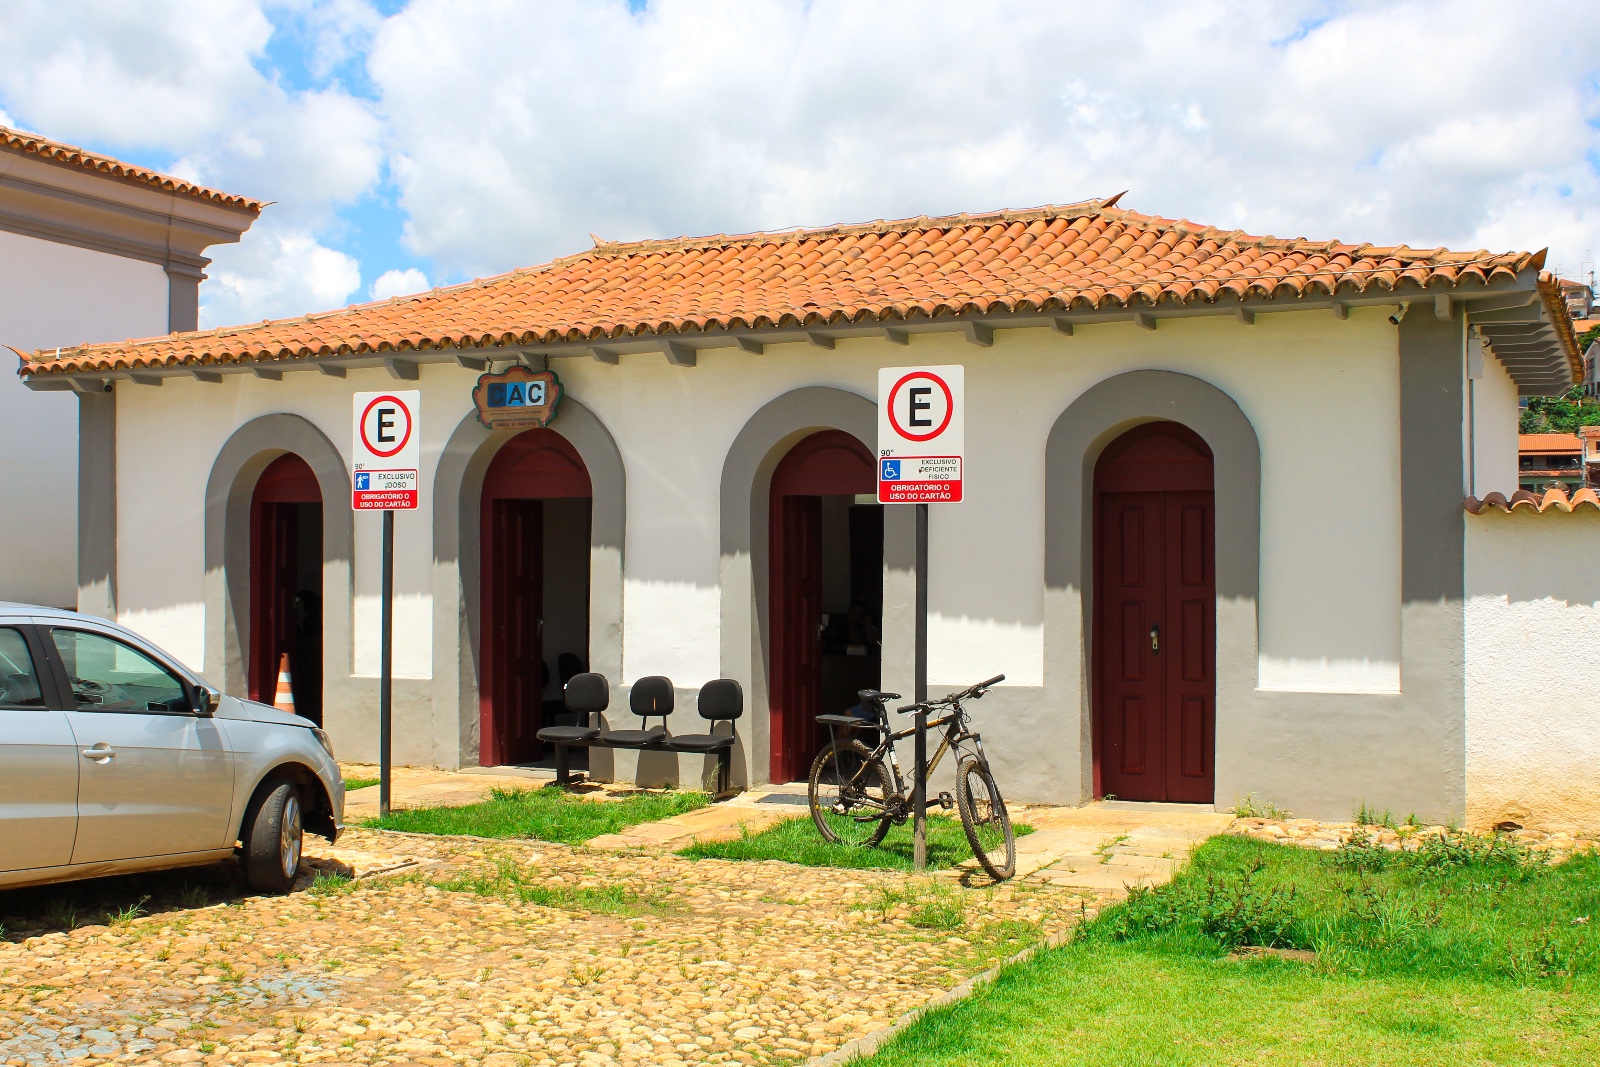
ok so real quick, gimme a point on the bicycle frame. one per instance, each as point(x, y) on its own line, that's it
point(956, 736)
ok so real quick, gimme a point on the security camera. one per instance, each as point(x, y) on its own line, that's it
point(1394, 320)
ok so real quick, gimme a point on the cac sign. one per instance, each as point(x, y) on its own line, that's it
point(387, 451)
point(920, 435)
point(517, 398)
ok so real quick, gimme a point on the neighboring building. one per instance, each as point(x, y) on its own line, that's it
point(1579, 299)
point(1591, 371)
point(91, 249)
point(1142, 397)
point(1550, 461)
point(1590, 438)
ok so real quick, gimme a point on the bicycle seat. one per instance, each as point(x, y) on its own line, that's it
point(872, 695)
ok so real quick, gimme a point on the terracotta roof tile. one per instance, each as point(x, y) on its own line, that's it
point(1524, 500)
point(33, 144)
point(1054, 259)
point(1548, 442)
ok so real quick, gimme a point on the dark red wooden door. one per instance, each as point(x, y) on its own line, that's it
point(829, 463)
point(1155, 617)
point(517, 573)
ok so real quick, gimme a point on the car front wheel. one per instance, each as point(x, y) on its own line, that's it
point(272, 839)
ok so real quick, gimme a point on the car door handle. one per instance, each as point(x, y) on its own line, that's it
point(100, 753)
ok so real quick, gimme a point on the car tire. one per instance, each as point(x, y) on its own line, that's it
point(273, 836)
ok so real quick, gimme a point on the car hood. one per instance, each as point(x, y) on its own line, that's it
point(249, 710)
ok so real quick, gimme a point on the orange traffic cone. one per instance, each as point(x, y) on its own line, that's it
point(283, 699)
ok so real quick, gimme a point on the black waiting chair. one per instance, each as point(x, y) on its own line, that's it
point(650, 697)
point(584, 695)
point(720, 700)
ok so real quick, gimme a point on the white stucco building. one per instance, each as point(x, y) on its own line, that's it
point(91, 249)
point(1258, 447)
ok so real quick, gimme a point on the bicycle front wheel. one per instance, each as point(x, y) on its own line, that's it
point(849, 793)
point(984, 818)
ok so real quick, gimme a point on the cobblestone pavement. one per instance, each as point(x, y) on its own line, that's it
point(457, 950)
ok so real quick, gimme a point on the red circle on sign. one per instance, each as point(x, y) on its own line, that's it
point(949, 407)
point(375, 450)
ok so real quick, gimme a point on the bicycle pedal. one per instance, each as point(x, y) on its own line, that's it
point(946, 801)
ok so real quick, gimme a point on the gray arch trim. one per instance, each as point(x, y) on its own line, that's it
point(1091, 422)
point(746, 483)
point(457, 490)
point(227, 549)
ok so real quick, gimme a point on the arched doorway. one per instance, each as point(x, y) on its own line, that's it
point(826, 600)
point(536, 504)
point(286, 583)
point(1155, 676)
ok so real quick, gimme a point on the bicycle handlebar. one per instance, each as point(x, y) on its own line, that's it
point(974, 692)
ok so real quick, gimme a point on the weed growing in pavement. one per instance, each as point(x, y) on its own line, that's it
point(1366, 815)
point(1103, 850)
point(194, 895)
point(63, 914)
point(124, 917)
point(510, 882)
point(329, 883)
point(1251, 808)
point(928, 904)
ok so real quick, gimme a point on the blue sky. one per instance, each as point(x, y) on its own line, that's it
point(427, 141)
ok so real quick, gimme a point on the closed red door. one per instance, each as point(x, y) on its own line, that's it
point(1155, 618)
point(517, 574)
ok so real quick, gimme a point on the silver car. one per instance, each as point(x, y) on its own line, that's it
point(115, 758)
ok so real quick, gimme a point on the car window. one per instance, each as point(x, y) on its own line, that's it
point(108, 675)
point(19, 682)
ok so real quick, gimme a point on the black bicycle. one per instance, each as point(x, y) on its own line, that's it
point(857, 793)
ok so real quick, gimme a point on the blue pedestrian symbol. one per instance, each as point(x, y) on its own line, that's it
point(891, 471)
point(363, 480)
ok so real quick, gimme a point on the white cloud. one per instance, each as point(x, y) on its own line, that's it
point(275, 272)
point(189, 81)
point(399, 283)
point(1460, 122)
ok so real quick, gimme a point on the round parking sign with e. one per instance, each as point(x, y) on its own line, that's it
point(920, 406)
point(385, 426)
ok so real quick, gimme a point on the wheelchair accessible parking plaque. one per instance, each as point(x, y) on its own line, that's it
point(921, 435)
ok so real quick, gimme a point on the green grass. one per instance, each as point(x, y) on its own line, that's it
point(1463, 953)
point(352, 784)
point(513, 883)
point(547, 814)
point(797, 841)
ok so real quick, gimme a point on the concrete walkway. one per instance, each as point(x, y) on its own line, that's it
point(1107, 846)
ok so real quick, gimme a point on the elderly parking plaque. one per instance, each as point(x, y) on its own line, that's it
point(517, 398)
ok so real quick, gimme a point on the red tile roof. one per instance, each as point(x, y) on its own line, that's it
point(33, 144)
point(1523, 500)
point(1081, 257)
point(1541, 443)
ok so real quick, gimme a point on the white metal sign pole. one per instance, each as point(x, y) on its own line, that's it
point(921, 451)
point(386, 459)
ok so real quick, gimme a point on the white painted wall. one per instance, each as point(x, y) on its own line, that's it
point(1532, 625)
point(55, 295)
point(1492, 429)
point(1323, 396)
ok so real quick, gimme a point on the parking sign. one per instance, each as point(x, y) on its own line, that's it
point(921, 435)
point(387, 451)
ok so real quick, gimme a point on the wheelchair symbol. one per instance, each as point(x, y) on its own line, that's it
point(363, 480)
point(891, 470)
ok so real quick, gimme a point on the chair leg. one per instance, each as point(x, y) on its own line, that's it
point(563, 774)
point(724, 773)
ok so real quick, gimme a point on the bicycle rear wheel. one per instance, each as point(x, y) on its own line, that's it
point(849, 793)
point(984, 818)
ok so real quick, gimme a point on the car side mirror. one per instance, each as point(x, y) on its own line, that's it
point(206, 699)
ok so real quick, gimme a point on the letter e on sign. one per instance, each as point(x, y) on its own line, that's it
point(921, 435)
point(386, 451)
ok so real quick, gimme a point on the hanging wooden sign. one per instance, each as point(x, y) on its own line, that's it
point(517, 398)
